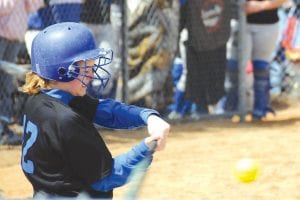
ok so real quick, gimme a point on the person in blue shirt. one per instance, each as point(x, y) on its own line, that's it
point(63, 154)
point(52, 12)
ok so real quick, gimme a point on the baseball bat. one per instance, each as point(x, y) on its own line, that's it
point(138, 175)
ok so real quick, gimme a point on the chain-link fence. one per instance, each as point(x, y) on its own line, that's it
point(175, 57)
point(152, 42)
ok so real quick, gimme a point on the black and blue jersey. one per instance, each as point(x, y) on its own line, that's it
point(63, 153)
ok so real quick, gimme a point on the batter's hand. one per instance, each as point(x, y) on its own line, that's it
point(160, 129)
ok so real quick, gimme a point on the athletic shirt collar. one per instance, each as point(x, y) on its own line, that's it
point(61, 95)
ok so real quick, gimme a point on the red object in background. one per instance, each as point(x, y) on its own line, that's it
point(249, 67)
point(292, 51)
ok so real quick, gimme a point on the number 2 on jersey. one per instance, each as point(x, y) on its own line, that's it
point(29, 127)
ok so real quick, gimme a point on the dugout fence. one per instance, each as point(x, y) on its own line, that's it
point(149, 42)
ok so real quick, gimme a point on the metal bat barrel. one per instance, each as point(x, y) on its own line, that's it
point(138, 174)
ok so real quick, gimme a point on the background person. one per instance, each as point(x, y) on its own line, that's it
point(208, 25)
point(54, 11)
point(261, 37)
point(13, 16)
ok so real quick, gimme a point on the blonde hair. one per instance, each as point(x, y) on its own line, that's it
point(34, 83)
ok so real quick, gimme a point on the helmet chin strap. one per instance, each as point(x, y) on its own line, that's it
point(83, 84)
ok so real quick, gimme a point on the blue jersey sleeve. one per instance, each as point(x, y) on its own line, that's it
point(117, 115)
point(122, 168)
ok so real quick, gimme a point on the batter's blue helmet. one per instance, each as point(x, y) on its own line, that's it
point(57, 48)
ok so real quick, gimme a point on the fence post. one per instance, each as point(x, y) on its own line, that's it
point(124, 51)
point(241, 61)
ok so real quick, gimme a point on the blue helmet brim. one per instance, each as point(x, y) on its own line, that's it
point(89, 55)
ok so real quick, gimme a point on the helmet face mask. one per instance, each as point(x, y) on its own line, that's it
point(57, 50)
point(100, 77)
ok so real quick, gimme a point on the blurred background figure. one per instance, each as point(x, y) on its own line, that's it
point(180, 106)
point(230, 101)
point(54, 11)
point(262, 19)
point(208, 25)
point(13, 23)
point(284, 68)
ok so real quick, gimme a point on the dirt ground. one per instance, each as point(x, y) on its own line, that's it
point(198, 161)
